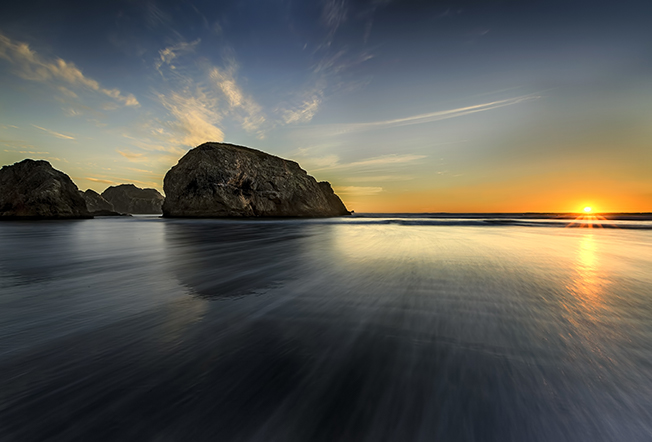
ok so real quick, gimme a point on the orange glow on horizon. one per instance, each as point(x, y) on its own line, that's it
point(531, 195)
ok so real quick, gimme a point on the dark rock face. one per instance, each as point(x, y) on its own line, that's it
point(95, 202)
point(223, 180)
point(34, 189)
point(127, 198)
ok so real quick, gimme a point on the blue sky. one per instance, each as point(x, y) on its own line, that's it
point(403, 106)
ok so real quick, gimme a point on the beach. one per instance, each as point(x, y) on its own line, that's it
point(365, 328)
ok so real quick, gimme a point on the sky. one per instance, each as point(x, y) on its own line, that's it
point(404, 106)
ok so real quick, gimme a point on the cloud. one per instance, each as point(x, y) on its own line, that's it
point(130, 155)
point(155, 16)
point(357, 190)
point(452, 113)
point(325, 78)
point(194, 103)
point(243, 106)
point(139, 170)
point(98, 180)
point(329, 130)
point(31, 152)
point(439, 115)
point(333, 15)
point(376, 161)
point(320, 163)
point(192, 106)
point(160, 143)
point(171, 52)
point(31, 66)
point(304, 112)
point(379, 178)
point(195, 115)
point(65, 91)
point(17, 144)
point(56, 134)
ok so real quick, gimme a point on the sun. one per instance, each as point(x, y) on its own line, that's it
point(587, 210)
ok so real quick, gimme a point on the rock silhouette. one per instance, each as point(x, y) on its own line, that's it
point(34, 189)
point(224, 180)
point(98, 206)
point(127, 198)
point(95, 202)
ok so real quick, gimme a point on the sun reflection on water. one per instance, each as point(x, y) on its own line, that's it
point(588, 285)
point(588, 309)
point(587, 260)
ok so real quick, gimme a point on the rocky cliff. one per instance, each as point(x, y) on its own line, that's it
point(34, 189)
point(224, 180)
point(127, 198)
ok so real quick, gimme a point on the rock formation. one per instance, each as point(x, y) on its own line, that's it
point(98, 206)
point(34, 189)
point(127, 198)
point(223, 180)
point(95, 202)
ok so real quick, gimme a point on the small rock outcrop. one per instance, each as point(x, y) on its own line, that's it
point(224, 180)
point(127, 198)
point(98, 206)
point(95, 202)
point(33, 189)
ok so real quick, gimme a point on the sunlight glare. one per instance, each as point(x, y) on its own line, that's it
point(587, 209)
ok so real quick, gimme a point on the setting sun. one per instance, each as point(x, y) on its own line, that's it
point(587, 209)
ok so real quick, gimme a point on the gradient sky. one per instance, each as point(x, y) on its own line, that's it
point(404, 106)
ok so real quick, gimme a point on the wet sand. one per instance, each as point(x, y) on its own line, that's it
point(352, 330)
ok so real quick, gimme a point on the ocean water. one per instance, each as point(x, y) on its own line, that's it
point(392, 328)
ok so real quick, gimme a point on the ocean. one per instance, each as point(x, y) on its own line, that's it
point(366, 328)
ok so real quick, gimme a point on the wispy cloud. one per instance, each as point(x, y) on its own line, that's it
point(318, 163)
point(155, 16)
point(130, 155)
point(305, 111)
point(379, 178)
point(31, 66)
point(99, 180)
point(139, 170)
point(159, 141)
point(53, 133)
point(325, 80)
point(440, 115)
point(334, 13)
point(170, 53)
point(243, 106)
point(331, 130)
point(17, 144)
point(31, 152)
point(357, 190)
point(200, 95)
point(67, 92)
point(383, 160)
point(195, 114)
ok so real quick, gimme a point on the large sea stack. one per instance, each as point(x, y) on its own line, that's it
point(35, 190)
point(222, 180)
point(127, 198)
